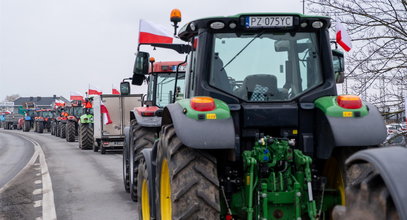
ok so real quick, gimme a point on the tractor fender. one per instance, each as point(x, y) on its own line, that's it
point(149, 155)
point(349, 132)
point(391, 163)
point(200, 134)
point(150, 121)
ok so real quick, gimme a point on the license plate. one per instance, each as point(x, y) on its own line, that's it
point(268, 21)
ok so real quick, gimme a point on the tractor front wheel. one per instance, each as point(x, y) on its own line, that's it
point(40, 127)
point(187, 184)
point(62, 130)
point(70, 131)
point(367, 196)
point(26, 126)
point(85, 136)
point(143, 195)
point(141, 138)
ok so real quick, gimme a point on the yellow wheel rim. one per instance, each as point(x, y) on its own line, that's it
point(145, 202)
point(165, 192)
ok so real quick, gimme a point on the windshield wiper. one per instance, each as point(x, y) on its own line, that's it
point(231, 60)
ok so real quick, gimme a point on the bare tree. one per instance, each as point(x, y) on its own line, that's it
point(378, 61)
point(11, 98)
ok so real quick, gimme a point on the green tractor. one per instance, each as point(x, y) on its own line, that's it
point(262, 132)
point(85, 130)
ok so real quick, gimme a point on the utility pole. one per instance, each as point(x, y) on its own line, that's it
point(303, 6)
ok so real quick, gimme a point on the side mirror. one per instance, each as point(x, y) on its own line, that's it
point(281, 45)
point(140, 68)
point(338, 62)
point(125, 88)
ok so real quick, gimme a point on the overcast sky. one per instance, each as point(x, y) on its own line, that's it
point(53, 46)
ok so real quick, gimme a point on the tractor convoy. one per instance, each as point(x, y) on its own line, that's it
point(249, 126)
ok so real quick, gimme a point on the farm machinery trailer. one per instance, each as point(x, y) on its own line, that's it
point(262, 132)
point(144, 122)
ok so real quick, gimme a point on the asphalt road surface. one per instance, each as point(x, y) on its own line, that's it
point(82, 184)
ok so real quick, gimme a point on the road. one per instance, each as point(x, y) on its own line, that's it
point(84, 184)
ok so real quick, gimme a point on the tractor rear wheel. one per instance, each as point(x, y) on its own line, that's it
point(85, 136)
point(70, 131)
point(142, 137)
point(62, 130)
point(26, 126)
point(40, 127)
point(367, 196)
point(187, 184)
point(143, 197)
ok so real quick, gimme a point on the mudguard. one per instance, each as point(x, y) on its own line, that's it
point(200, 134)
point(391, 163)
point(349, 132)
point(149, 156)
point(152, 121)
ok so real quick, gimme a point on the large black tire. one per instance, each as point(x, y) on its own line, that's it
point(367, 196)
point(57, 130)
point(70, 131)
point(40, 127)
point(126, 166)
point(192, 174)
point(52, 128)
point(141, 138)
point(62, 130)
point(102, 150)
point(143, 198)
point(85, 136)
point(26, 126)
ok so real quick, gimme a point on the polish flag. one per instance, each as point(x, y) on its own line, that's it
point(115, 91)
point(59, 103)
point(76, 96)
point(93, 90)
point(105, 114)
point(151, 33)
point(343, 38)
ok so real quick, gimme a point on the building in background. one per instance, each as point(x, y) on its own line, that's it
point(39, 102)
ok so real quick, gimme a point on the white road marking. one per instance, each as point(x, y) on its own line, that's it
point(48, 204)
point(37, 191)
point(38, 182)
point(37, 203)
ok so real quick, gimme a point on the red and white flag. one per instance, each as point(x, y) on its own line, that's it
point(115, 91)
point(151, 33)
point(59, 103)
point(93, 90)
point(343, 38)
point(105, 114)
point(76, 96)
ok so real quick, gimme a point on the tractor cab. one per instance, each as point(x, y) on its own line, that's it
point(161, 81)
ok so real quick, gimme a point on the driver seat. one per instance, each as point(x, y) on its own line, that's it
point(259, 88)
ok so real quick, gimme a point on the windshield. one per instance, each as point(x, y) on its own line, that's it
point(47, 114)
point(265, 67)
point(165, 88)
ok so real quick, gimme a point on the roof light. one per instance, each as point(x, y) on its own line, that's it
point(175, 15)
point(217, 25)
point(192, 26)
point(232, 25)
point(152, 59)
point(317, 24)
point(349, 101)
point(203, 104)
